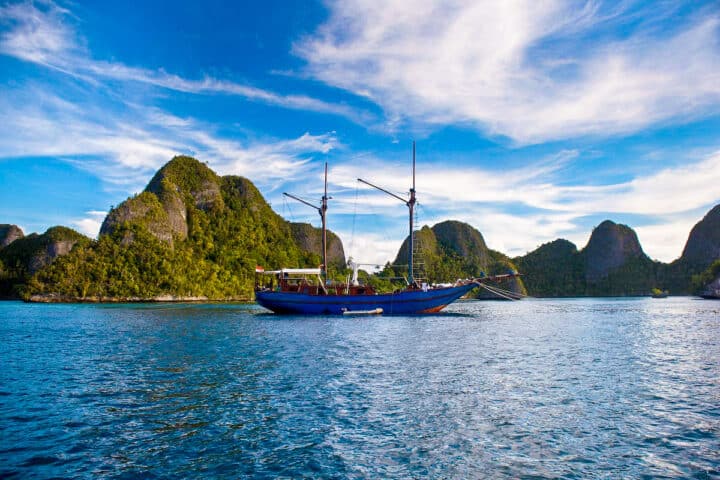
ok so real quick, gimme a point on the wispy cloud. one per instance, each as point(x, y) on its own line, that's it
point(125, 146)
point(42, 34)
point(36, 33)
point(532, 71)
point(667, 191)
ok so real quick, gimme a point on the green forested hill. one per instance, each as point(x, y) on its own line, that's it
point(555, 269)
point(708, 279)
point(612, 264)
point(26, 255)
point(452, 250)
point(191, 233)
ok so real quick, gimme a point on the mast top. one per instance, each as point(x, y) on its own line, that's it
point(413, 187)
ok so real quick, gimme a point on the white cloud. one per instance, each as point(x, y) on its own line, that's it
point(523, 69)
point(515, 234)
point(665, 240)
point(668, 191)
point(34, 35)
point(91, 224)
point(369, 249)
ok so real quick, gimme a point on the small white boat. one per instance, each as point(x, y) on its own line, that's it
point(376, 311)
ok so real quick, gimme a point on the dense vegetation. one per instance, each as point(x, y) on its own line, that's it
point(701, 281)
point(555, 269)
point(637, 276)
point(23, 257)
point(451, 250)
point(613, 264)
point(191, 233)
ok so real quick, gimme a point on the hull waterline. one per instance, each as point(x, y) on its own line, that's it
point(405, 302)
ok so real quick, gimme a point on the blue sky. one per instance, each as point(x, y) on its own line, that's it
point(533, 120)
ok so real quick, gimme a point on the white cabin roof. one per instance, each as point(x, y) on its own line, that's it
point(301, 271)
point(291, 271)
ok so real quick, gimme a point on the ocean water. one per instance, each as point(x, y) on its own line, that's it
point(577, 388)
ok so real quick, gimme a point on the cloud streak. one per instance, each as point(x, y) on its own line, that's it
point(531, 71)
point(125, 146)
point(42, 35)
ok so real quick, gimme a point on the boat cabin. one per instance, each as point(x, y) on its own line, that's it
point(304, 280)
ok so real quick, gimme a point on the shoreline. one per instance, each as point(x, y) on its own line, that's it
point(55, 298)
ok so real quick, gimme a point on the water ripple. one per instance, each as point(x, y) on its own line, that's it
point(602, 388)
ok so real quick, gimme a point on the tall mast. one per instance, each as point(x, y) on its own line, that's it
point(322, 209)
point(411, 206)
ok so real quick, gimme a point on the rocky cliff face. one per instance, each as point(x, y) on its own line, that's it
point(451, 238)
point(703, 244)
point(145, 209)
point(462, 239)
point(9, 233)
point(182, 184)
point(612, 263)
point(610, 247)
point(27, 255)
point(309, 239)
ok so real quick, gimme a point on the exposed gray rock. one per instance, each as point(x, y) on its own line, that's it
point(144, 208)
point(9, 233)
point(52, 250)
point(703, 244)
point(610, 247)
point(309, 239)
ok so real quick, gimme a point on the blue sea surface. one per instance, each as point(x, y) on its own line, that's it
point(574, 388)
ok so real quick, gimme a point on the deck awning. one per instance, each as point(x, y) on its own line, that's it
point(290, 271)
point(301, 271)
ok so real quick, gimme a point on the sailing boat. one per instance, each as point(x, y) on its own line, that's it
point(308, 290)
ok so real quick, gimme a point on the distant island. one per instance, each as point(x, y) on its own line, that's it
point(196, 236)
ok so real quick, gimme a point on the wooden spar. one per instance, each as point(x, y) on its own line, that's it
point(322, 210)
point(411, 206)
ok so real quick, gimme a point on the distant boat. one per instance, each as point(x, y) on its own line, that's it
point(309, 291)
point(711, 294)
point(657, 293)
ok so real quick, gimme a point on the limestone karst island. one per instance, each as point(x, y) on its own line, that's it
point(195, 235)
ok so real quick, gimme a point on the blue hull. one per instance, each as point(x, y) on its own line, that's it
point(405, 302)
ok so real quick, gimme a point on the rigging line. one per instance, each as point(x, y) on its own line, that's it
point(496, 293)
point(510, 292)
point(352, 233)
point(287, 204)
